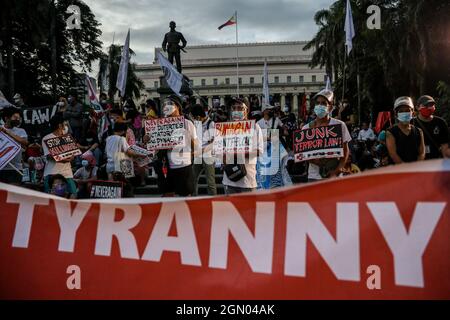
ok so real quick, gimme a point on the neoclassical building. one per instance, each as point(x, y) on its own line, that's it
point(213, 72)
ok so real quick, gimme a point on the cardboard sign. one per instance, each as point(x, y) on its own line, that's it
point(106, 190)
point(9, 149)
point(149, 155)
point(62, 148)
point(318, 143)
point(165, 133)
point(290, 243)
point(234, 137)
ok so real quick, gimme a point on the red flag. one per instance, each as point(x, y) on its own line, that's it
point(383, 117)
point(229, 22)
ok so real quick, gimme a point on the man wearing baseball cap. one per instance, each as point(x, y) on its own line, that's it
point(405, 141)
point(435, 129)
point(319, 169)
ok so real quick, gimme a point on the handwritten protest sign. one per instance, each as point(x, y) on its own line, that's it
point(8, 149)
point(165, 133)
point(39, 116)
point(106, 190)
point(317, 143)
point(149, 155)
point(62, 148)
point(234, 137)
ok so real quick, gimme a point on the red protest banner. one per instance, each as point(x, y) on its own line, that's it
point(291, 243)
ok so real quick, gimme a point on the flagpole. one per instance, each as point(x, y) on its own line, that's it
point(343, 79)
point(237, 53)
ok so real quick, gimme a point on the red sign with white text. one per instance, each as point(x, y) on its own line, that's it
point(338, 239)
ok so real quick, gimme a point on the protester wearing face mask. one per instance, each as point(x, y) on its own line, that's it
point(248, 183)
point(404, 141)
point(87, 173)
point(74, 114)
point(59, 186)
point(435, 129)
point(61, 105)
point(12, 119)
point(116, 116)
point(269, 121)
point(90, 143)
point(52, 167)
point(117, 143)
point(180, 177)
point(319, 169)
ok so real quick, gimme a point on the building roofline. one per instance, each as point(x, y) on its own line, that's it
point(245, 44)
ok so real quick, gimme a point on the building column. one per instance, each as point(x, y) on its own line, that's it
point(198, 100)
point(283, 100)
point(222, 100)
point(210, 102)
point(294, 108)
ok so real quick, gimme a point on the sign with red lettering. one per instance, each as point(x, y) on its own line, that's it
point(234, 137)
point(318, 143)
point(165, 133)
point(363, 240)
point(62, 148)
point(9, 149)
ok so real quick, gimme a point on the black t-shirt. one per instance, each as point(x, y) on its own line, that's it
point(436, 134)
point(407, 145)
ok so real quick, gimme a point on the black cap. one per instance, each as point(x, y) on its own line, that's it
point(424, 100)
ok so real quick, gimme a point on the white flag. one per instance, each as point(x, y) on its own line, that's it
point(328, 85)
point(266, 99)
point(173, 77)
point(349, 28)
point(123, 68)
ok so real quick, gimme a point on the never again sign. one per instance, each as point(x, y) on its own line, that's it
point(106, 190)
point(317, 143)
point(165, 133)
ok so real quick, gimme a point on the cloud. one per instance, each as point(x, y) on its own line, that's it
point(259, 21)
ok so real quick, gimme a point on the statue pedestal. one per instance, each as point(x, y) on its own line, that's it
point(164, 89)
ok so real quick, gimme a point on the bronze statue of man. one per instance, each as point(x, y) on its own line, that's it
point(171, 44)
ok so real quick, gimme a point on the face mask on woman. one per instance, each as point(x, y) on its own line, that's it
point(85, 163)
point(169, 109)
point(321, 110)
point(404, 117)
point(60, 190)
point(15, 123)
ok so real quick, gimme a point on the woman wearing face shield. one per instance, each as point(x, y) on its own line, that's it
point(327, 167)
point(180, 178)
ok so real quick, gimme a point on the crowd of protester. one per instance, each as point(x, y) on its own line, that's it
point(104, 137)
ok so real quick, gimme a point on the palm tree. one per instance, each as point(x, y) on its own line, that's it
point(109, 65)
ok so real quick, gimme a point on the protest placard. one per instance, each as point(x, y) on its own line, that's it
point(318, 143)
point(165, 133)
point(149, 155)
point(62, 148)
point(8, 149)
point(234, 137)
point(106, 190)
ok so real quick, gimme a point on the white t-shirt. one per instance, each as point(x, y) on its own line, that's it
point(269, 124)
point(366, 135)
point(115, 144)
point(180, 157)
point(249, 181)
point(314, 170)
point(17, 160)
point(52, 167)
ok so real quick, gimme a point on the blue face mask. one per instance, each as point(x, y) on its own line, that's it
point(237, 115)
point(60, 190)
point(404, 117)
point(321, 111)
point(84, 163)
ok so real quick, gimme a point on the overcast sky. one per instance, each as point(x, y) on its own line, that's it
point(259, 21)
